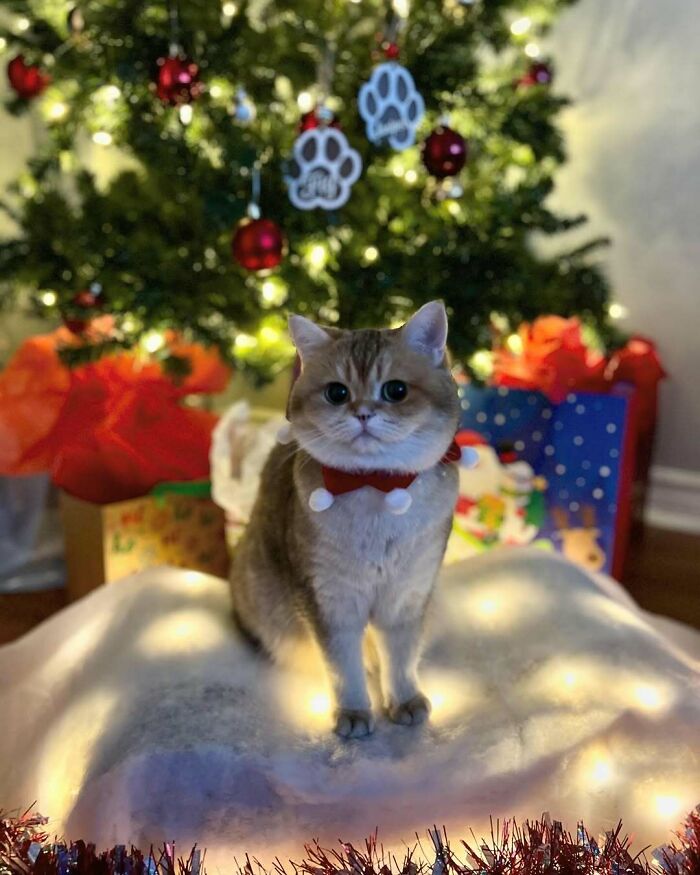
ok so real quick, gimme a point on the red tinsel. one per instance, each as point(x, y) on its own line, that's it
point(542, 847)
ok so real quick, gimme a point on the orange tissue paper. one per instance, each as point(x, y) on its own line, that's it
point(108, 430)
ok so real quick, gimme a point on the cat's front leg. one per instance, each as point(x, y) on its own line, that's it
point(343, 650)
point(399, 650)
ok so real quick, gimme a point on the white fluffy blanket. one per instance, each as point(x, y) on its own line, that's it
point(138, 715)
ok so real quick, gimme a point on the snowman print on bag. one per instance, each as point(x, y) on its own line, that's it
point(390, 106)
point(323, 169)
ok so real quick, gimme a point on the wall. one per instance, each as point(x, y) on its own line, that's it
point(633, 135)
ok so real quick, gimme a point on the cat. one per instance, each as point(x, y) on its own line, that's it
point(364, 401)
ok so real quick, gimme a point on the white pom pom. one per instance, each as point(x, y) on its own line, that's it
point(470, 457)
point(398, 500)
point(284, 435)
point(320, 499)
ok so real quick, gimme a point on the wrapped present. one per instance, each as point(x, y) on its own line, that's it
point(109, 432)
point(554, 475)
point(178, 524)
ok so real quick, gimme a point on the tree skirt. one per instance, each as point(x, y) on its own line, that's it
point(137, 714)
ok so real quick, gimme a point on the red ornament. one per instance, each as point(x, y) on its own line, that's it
point(444, 152)
point(316, 118)
point(178, 80)
point(258, 244)
point(26, 79)
point(538, 73)
point(77, 316)
point(391, 51)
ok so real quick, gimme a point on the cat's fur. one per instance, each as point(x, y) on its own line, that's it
point(333, 573)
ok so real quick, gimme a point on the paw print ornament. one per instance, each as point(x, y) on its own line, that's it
point(323, 169)
point(390, 106)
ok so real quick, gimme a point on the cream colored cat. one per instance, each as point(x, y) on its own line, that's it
point(368, 402)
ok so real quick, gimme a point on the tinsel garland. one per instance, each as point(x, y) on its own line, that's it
point(540, 847)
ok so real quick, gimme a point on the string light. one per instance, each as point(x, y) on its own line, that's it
point(514, 343)
point(319, 704)
point(602, 771)
point(317, 255)
point(3, 43)
point(244, 342)
point(153, 341)
point(482, 363)
point(410, 176)
point(667, 806)
point(617, 311)
point(269, 334)
point(401, 8)
point(532, 50)
point(229, 9)
point(371, 254)
point(186, 112)
point(23, 24)
point(102, 138)
point(57, 110)
point(305, 101)
point(48, 299)
point(274, 291)
point(521, 26)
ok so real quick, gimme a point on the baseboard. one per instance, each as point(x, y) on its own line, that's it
point(673, 501)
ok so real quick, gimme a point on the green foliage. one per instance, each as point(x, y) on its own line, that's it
point(156, 233)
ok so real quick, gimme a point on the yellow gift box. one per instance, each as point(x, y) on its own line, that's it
point(177, 524)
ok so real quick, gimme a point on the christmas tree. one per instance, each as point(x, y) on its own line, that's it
point(204, 102)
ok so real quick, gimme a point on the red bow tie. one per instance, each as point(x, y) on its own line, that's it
point(337, 482)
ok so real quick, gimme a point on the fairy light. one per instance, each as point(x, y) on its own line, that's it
point(482, 363)
point(229, 9)
point(111, 93)
point(487, 607)
point(3, 43)
point(521, 26)
point(245, 342)
point(570, 678)
point(602, 771)
point(401, 8)
point(102, 138)
point(57, 110)
point(371, 254)
point(269, 334)
point(514, 344)
point(274, 292)
point(667, 806)
point(153, 341)
point(319, 704)
point(23, 23)
point(317, 256)
point(532, 50)
point(410, 176)
point(186, 112)
point(48, 299)
point(617, 311)
point(305, 101)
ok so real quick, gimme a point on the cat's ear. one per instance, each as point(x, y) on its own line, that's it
point(307, 336)
point(426, 331)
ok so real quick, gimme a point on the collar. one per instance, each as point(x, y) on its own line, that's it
point(338, 482)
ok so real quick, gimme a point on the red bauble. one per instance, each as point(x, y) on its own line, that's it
point(178, 80)
point(391, 51)
point(538, 73)
point(258, 244)
point(314, 119)
point(77, 317)
point(444, 152)
point(26, 79)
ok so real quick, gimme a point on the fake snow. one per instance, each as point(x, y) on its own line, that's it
point(138, 715)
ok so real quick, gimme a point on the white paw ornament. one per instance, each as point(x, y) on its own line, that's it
point(397, 501)
point(390, 106)
point(469, 457)
point(323, 169)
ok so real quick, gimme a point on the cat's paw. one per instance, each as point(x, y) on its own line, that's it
point(416, 710)
point(351, 723)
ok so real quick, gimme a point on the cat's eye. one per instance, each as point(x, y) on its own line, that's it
point(336, 393)
point(394, 390)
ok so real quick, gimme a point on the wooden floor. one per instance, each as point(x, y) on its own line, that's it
point(662, 574)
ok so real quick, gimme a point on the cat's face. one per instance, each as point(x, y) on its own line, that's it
point(375, 399)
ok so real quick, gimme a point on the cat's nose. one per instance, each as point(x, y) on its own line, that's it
point(364, 413)
point(364, 417)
